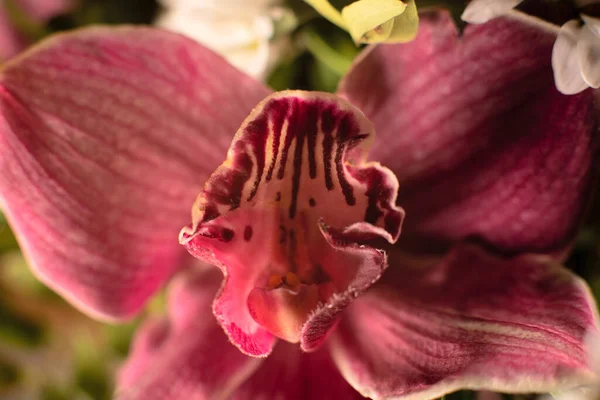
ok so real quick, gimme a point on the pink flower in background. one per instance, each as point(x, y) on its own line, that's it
point(12, 40)
point(107, 135)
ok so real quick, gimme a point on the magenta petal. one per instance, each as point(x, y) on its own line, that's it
point(480, 139)
point(105, 136)
point(291, 374)
point(187, 356)
point(472, 321)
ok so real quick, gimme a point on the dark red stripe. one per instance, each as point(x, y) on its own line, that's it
point(257, 132)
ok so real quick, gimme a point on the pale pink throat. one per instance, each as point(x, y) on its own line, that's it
point(283, 216)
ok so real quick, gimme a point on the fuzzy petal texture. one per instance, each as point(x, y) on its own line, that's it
point(474, 321)
point(477, 134)
point(291, 374)
point(481, 11)
point(187, 356)
point(295, 196)
point(105, 135)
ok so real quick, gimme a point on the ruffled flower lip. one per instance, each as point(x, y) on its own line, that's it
point(288, 218)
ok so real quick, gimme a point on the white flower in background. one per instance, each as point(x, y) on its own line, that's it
point(239, 30)
point(576, 54)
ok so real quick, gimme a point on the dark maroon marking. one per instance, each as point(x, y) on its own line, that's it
point(278, 196)
point(279, 112)
point(227, 235)
point(210, 212)
point(318, 275)
point(256, 133)
point(312, 202)
point(376, 189)
point(344, 135)
point(282, 234)
point(248, 233)
point(327, 126)
point(229, 187)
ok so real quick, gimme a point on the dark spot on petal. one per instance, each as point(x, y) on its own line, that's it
point(278, 196)
point(227, 235)
point(282, 234)
point(312, 202)
point(319, 275)
point(247, 233)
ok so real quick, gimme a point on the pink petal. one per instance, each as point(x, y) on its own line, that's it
point(274, 208)
point(480, 139)
point(106, 135)
point(472, 321)
point(290, 374)
point(187, 356)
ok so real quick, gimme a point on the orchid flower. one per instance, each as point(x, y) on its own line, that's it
point(108, 134)
point(241, 31)
point(12, 40)
point(575, 57)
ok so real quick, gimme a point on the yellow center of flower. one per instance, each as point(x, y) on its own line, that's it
point(290, 280)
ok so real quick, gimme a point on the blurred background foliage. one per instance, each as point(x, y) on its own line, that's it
point(49, 350)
